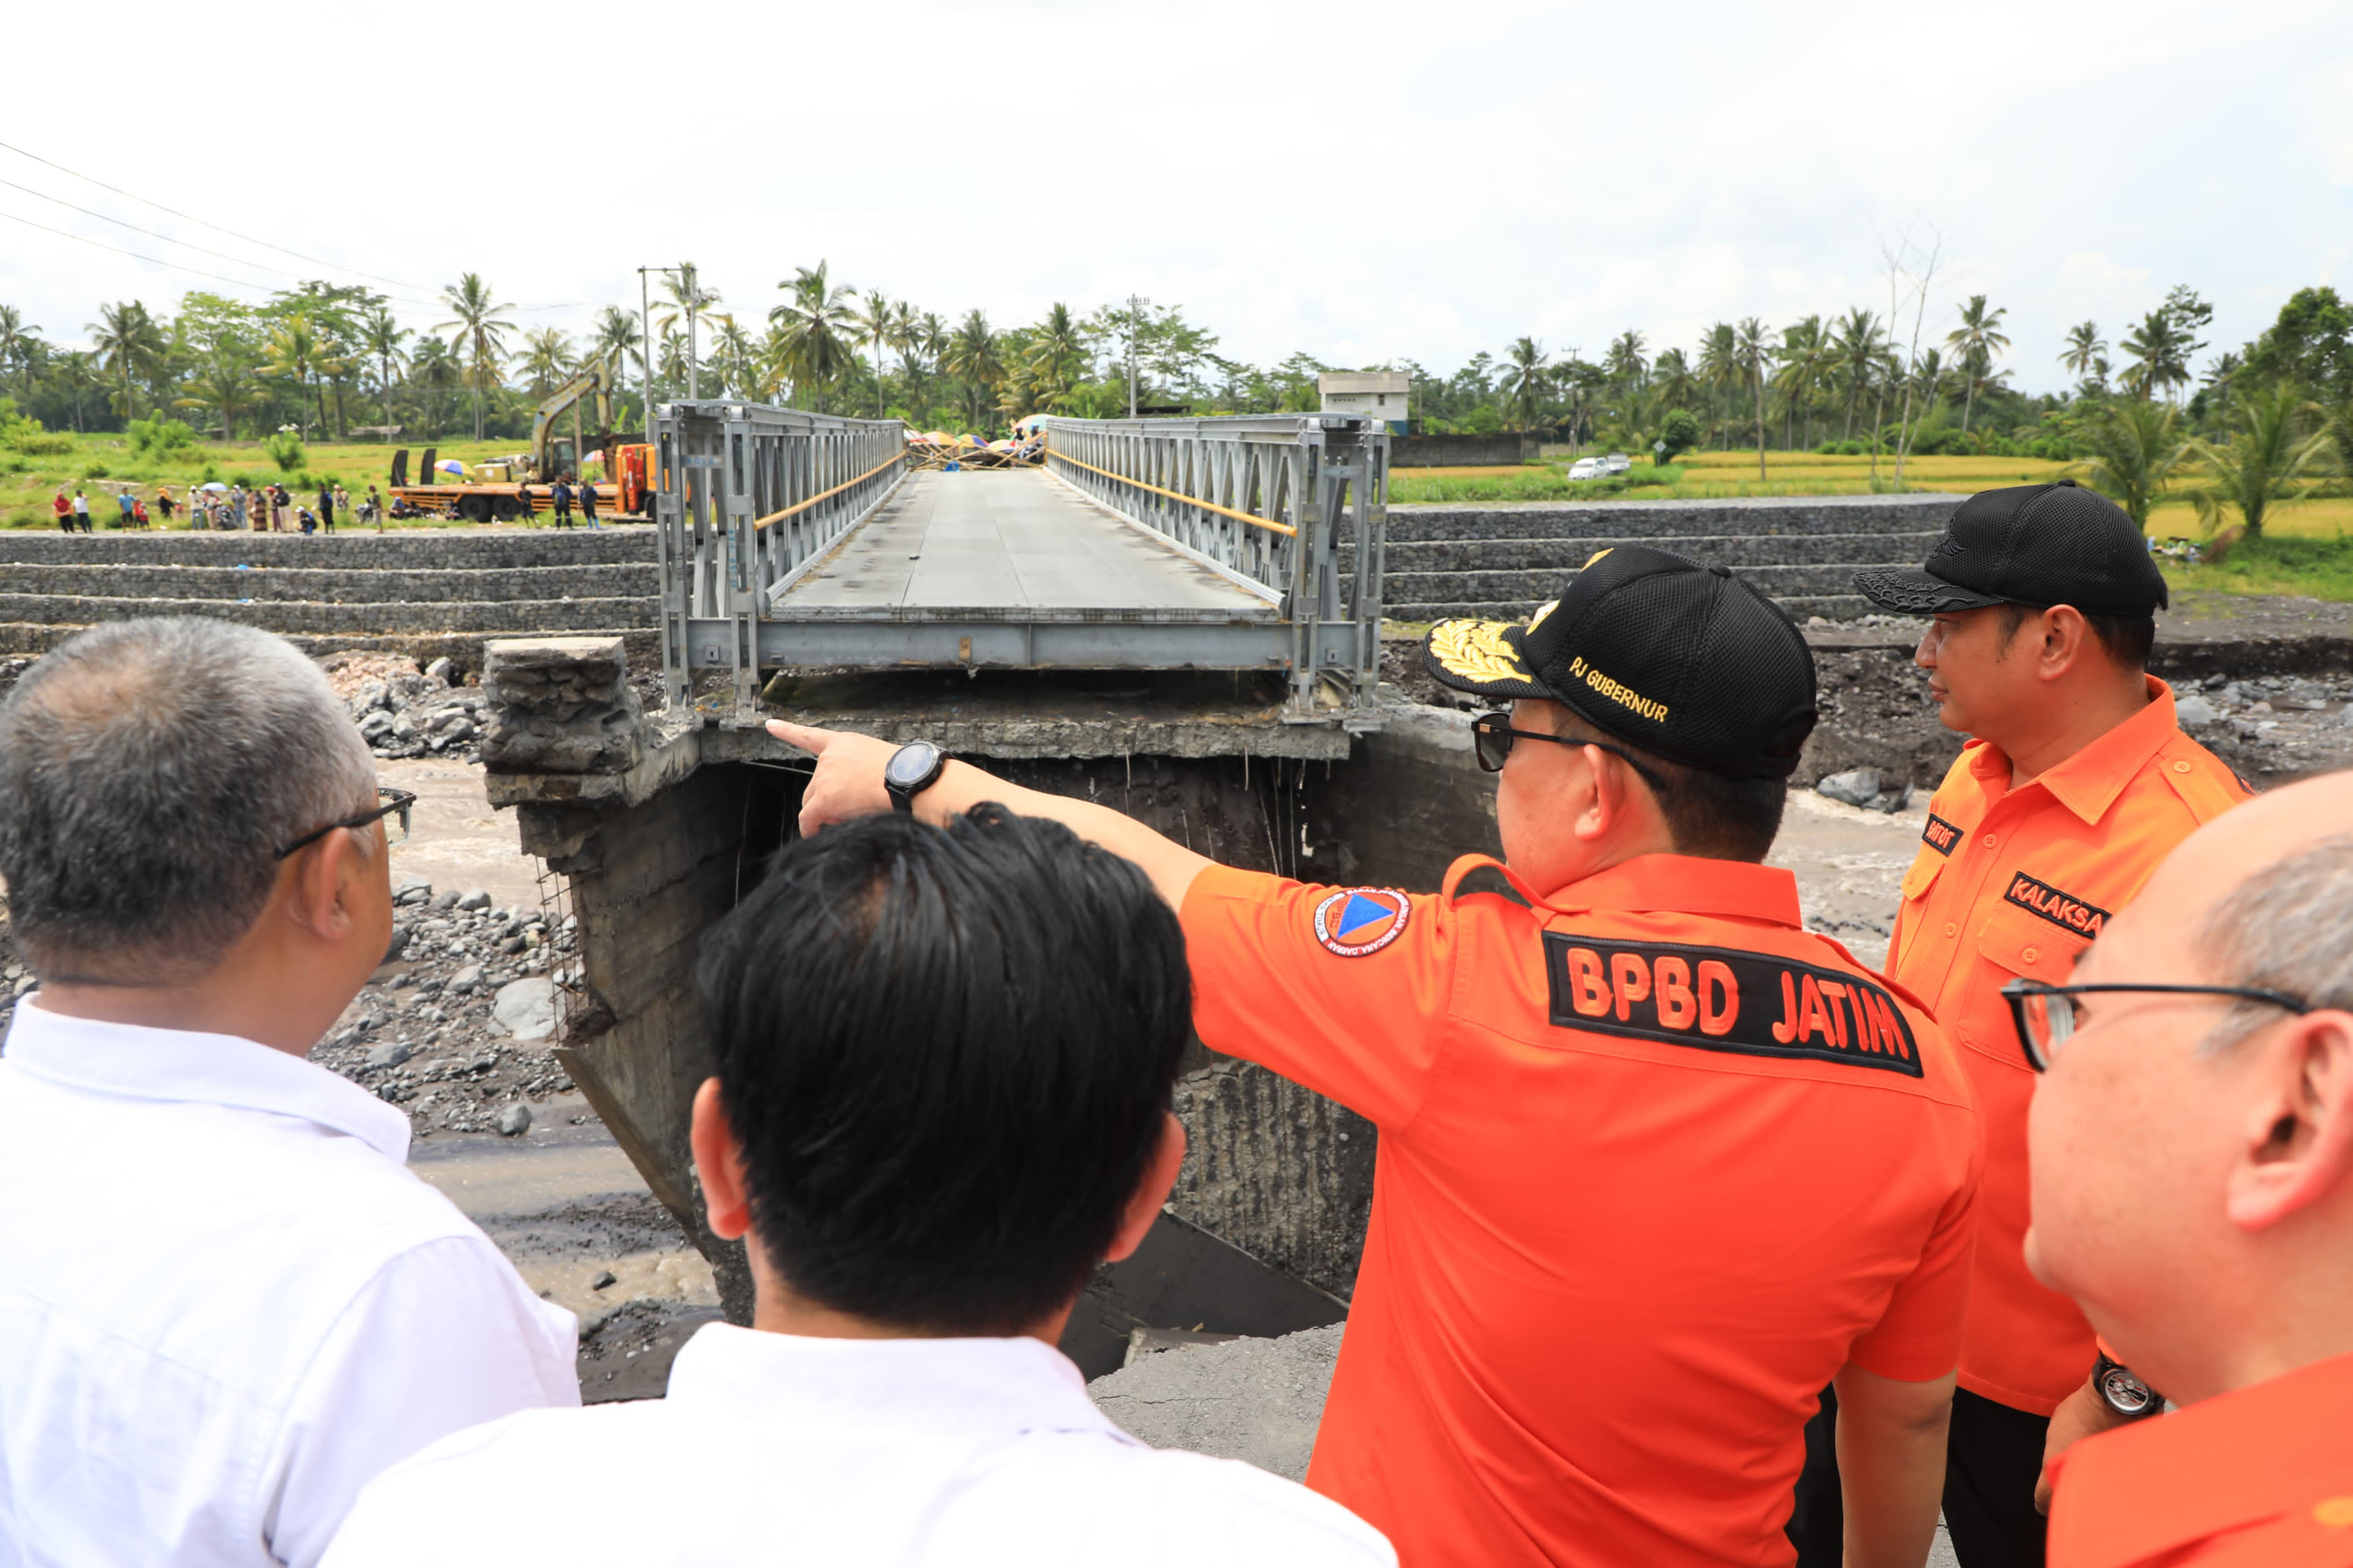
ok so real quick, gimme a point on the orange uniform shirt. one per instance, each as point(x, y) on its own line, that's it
point(2017, 882)
point(1654, 1164)
point(2259, 1477)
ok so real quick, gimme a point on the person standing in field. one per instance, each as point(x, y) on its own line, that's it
point(343, 502)
point(64, 509)
point(164, 504)
point(588, 503)
point(375, 508)
point(237, 506)
point(326, 507)
point(81, 510)
point(2076, 783)
point(560, 496)
point(124, 500)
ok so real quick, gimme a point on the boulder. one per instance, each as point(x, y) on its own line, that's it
point(1860, 787)
point(525, 1008)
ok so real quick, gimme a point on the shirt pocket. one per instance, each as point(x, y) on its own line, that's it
point(2013, 945)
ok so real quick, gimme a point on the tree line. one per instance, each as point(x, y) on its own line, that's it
point(2276, 417)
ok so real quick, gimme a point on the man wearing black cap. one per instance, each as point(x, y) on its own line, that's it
point(1655, 1164)
point(2076, 782)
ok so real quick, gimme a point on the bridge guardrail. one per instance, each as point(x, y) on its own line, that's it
point(746, 499)
point(1265, 497)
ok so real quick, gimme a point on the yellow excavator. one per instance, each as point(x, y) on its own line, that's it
point(494, 491)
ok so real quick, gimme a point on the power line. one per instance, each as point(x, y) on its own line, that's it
point(156, 260)
point(429, 298)
point(159, 206)
point(157, 234)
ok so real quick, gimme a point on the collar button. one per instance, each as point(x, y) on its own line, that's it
point(2181, 765)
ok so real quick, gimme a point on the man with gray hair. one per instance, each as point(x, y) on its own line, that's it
point(225, 1304)
point(2191, 1147)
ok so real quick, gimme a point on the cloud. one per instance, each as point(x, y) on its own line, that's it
point(1382, 180)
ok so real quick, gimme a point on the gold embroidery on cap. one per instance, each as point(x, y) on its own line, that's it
point(1597, 555)
point(1618, 691)
point(1475, 650)
point(1547, 607)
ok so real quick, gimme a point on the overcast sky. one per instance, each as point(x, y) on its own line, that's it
point(1356, 180)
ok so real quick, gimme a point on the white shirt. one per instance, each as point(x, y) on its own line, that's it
point(225, 1304)
point(780, 1448)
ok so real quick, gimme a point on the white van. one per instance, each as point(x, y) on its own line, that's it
point(1586, 468)
point(1617, 463)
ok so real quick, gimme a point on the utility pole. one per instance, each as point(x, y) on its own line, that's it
point(686, 282)
point(646, 339)
point(1135, 326)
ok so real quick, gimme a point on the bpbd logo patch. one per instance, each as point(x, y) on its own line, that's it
point(1721, 999)
point(2063, 909)
point(1355, 921)
point(1939, 835)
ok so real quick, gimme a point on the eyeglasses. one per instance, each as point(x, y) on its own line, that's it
point(393, 813)
point(2047, 1015)
point(1492, 736)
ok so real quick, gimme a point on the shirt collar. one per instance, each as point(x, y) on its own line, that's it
point(2088, 783)
point(1688, 885)
point(2141, 1491)
point(140, 1063)
point(977, 1385)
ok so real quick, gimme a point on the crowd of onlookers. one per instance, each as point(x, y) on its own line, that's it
point(263, 508)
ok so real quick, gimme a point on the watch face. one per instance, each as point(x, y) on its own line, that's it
point(912, 763)
point(2125, 1395)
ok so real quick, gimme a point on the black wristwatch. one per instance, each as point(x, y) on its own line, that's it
point(912, 769)
point(2123, 1392)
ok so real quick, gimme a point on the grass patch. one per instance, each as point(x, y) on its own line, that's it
point(101, 465)
point(2317, 568)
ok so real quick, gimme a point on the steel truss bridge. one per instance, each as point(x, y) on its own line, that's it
point(801, 541)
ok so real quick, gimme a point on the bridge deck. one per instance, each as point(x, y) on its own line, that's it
point(1010, 545)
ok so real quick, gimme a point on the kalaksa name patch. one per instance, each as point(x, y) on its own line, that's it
point(1720, 999)
point(2063, 909)
point(1940, 835)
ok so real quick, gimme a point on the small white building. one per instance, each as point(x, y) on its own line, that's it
point(1373, 393)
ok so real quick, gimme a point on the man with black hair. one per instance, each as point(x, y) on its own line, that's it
point(2076, 784)
point(945, 1066)
point(1655, 1164)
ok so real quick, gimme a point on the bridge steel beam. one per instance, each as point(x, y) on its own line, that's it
point(746, 499)
point(1270, 497)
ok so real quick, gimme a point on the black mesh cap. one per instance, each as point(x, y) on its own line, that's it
point(1683, 660)
point(2037, 545)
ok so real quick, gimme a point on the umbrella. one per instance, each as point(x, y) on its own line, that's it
point(595, 457)
point(216, 485)
point(451, 466)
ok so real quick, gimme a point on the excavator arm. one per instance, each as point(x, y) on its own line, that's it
point(595, 379)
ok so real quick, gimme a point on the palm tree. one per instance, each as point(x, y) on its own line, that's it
point(1624, 361)
point(128, 341)
point(1057, 354)
point(972, 358)
point(1719, 365)
point(1801, 367)
point(1525, 378)
point(1977, 343)
point(300, 350)
point(482, 326)
point(2160, 351)
point(872, 318)
point(1854, 359)
point(382, 336)
point(815, 325)
point(1677, 386)
point(436, 368)
point(735, 354)
point(222, 383)
point(1753, 352)
point(546, 359)
point(2135, 451)
point(2269, 458)
point(17, 346)
point(614, 338)
point(685, 297)
point(2083, 350)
